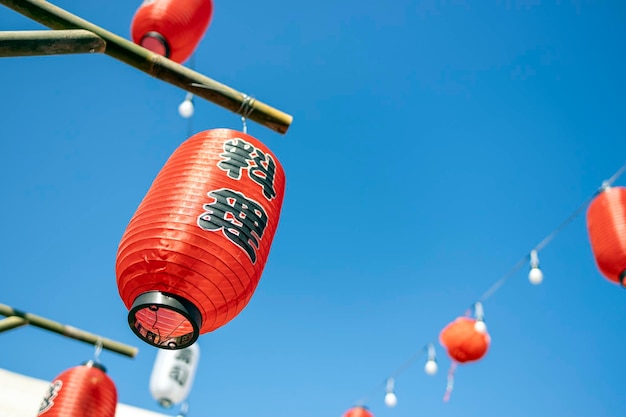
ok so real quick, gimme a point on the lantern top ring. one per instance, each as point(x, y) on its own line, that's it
point(94, 364)
point(164, 320)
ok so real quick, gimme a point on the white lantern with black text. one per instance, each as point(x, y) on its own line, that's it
point(173, 373)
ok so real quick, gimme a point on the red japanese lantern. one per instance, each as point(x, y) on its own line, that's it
point(358, 411)
point(606, 224)
point(466, 340)
point(193, 253)
point(81, 391)
point(172, 28)
point(463, 341)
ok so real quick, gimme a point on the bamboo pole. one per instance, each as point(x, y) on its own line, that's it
point(12, 322)
point(156, 65)
point(49, 42)
point(69, 331)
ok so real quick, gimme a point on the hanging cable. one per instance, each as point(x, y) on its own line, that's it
point(186, 108)
point(98, 350)
point(398, 371)
point(245, 110)
point(477, 306)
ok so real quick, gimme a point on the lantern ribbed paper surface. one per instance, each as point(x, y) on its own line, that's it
point(172, 28)
point(358, 411)
point(606, 224)
point(193, 253)
point(463, 342)
point(82, 391)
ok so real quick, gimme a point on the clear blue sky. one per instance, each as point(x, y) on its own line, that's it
point(434, 144)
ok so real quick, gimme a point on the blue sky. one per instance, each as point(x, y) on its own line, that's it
point(434, 144)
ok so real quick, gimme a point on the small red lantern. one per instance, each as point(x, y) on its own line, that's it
point(463, 341)
point(606, 224)
point(358, 411)
point(193, 253)
point(81, 391)
point(172, 28)
point(466, 340)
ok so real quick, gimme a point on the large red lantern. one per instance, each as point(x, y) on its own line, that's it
point(172, 28)
point(464, 341)
point(606, 224)
point(193, 253)
point(82, 391)
point(358, 411)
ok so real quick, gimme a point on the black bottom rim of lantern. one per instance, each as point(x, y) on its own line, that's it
point(156, 36)
point(154, 301)
point(622, 278)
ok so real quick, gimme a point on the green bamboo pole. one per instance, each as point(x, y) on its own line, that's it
point(49, 42)
point(156, 65)
point(12, 322)
point(69, 331)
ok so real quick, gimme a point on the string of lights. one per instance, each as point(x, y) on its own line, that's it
point(535, 276)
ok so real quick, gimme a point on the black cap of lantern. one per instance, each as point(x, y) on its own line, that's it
point(94, 364)
point(156, 300)
point(156, 36)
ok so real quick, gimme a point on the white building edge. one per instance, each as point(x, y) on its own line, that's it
point(20, 396)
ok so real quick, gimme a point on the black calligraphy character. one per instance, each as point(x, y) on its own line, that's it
point(242, 220)
point(179, 374)
point(184, 356)
point(239, 154)
point(51, 394)
point(236, 154)
point(263, 173)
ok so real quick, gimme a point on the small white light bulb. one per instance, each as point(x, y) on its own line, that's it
point(535, 276)
point(480, 326)
point(185, 109)
point(391, 400)
point(431, 367)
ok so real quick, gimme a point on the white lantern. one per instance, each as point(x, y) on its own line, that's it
point(173, 373)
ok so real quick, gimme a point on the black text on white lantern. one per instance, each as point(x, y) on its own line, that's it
point(173, 373)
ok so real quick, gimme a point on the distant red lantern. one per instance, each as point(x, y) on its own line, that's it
point(358, 411)
point(172, 28)
point(193, 253)
point(606, 224)
point(466, 340)
point(81, 391)
point(463, 341)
